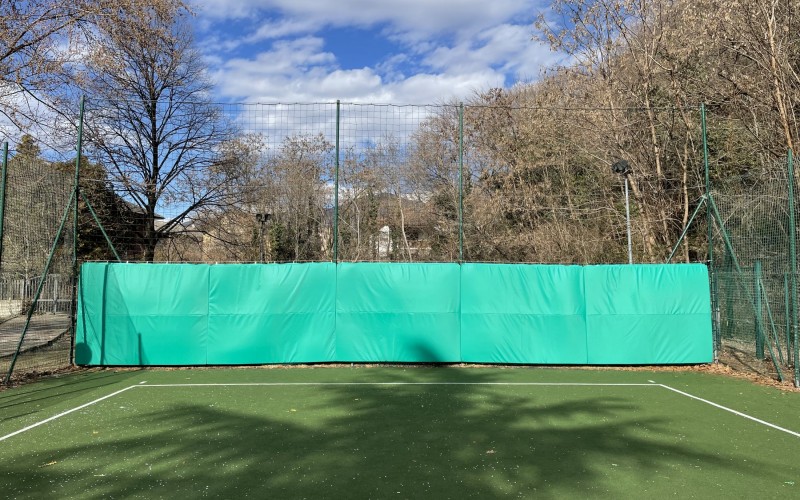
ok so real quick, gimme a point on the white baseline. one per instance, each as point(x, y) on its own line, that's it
point(289, 384)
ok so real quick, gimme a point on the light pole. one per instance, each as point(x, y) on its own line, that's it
point(623, 168)
point(262, 219)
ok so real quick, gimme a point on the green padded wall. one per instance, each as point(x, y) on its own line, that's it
point(182, 314)
point(271, 314)
point(515, 313)
point(647, 314)
point(142, 314)
point(397, 312)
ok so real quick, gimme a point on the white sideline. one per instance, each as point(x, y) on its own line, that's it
point(279, 384)
point(37, 424)
point(256, 384)
point(743, 415)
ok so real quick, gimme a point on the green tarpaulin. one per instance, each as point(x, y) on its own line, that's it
point(181, 314)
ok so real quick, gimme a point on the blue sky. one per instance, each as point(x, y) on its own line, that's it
point(380, 51)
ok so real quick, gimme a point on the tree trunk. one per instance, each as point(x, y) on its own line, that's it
point(403, 227)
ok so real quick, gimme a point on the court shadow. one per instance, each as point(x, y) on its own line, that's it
point(457, 436)
point(56, 391)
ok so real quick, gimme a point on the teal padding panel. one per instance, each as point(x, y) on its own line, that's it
point(154, 314)
point(277, 313)
point(89, 322)
point(182, 314)
point(513, 313)
point(648, 314)
point(398, 312)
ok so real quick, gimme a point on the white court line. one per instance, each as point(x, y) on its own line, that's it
point(290, 384)
point(743, 415)
point(279, 384)
point(37, 424)
point(267, 384)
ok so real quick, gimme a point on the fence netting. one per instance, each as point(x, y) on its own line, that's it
point(362, 182)
point(493, 181)
point(754, 286)
point(35, 334)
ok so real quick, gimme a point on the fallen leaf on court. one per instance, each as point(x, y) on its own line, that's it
point(48, 464)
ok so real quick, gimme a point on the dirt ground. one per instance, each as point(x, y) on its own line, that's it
point(734, 361)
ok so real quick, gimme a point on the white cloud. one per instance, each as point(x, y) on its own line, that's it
point(271, 30)
point(506, 47)
point(301, 71)
point(423, 17)
point(448, 49)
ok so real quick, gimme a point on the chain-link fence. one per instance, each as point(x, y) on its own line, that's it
point(754, 252)
point(754, 275)
point(491, 182)
point(498, 182)
point(36, 275)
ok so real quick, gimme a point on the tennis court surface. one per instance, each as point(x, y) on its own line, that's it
point(398, 432)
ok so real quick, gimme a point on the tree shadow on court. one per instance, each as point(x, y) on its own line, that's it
point(58, 391)
point(360, 441)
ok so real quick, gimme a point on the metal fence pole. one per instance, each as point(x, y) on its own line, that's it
point(3, 183)
point(710, 236)
point(758, 310)
point(793, 262)
point(461, 182)
point(39, 288)
point(628, 221)
point(73, 310)
point(787, 316)
point(336, 188)
point(727, 242)
point(775, 337)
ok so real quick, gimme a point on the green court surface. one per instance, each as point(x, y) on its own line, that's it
point(398, 432)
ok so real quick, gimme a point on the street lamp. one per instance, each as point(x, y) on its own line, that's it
point(623, 168)
point(262, 219)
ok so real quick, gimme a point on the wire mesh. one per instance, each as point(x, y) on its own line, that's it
point(753, 267)
point(37, 195)
point(398, 183)
point(541, 186)
point(498, 180)
point(366, 182)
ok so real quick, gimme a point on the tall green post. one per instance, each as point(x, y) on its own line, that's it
point(793, 261)
point(710, 236)
point(758, 310)
point(75, 230)
point(336, 188)
point(787, 316)
point(3, 183)
point(461, 182)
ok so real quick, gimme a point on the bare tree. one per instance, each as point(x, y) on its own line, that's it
point(40, 39)
point(295, 181)
point(150, 121)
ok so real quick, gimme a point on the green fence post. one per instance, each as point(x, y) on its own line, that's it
point(461, 182)
point(775, 337)
point(710, 237)
point(727, 242)
point(686, 229)
point(73, 310)
point(39, 288)
point(730, 311)
point(787, 312)
point(100, 225)
point(3, 179)
point(793, 262)
point(758, 310)
point(336, 188)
